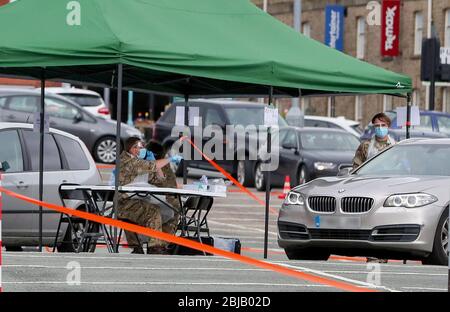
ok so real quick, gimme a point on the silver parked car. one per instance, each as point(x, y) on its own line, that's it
point(66, 160)
point(99, 134)
point(395, 205)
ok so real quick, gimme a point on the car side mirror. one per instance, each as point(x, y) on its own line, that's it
point(344, 170)
point(4, 166)
point(78, 117)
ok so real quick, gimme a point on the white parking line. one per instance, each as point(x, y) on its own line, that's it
point(425, 288)
point(333, 276)
point(171, 283)
point(130, 268)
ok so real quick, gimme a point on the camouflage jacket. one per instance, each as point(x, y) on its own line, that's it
point(362, 152)
point(169, 180)
point(130, 168)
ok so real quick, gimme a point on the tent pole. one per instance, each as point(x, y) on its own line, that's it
point(118, 144)
point(269, 151)
point(186, 123)
point(408, 115)
point(41, 153)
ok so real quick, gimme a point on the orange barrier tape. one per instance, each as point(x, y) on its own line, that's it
point(228, 176)
point(105, 166)
point(191, 244)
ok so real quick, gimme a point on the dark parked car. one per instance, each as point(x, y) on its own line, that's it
point(220, 113)
point(98, 134)
point(432, 125)
point(309, 153)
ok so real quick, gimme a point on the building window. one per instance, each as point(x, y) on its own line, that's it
point(306, 29)
point(447, 29)
point(418, 32)
point(446, 100)
point(360, 37)
point(359, 106)
point(387, 103)
point(306, 106)
point(416, 98)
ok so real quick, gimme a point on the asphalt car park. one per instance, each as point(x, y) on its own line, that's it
point(236, 216)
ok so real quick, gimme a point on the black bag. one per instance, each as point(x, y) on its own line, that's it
point(186, 251)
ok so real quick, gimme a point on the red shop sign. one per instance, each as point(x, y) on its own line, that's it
point(390, 28)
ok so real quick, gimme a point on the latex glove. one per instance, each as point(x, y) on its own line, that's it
point(176, 159)
point(150, 156)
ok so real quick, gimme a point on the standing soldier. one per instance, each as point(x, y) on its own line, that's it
point(381, 140)
point(136, 210)
point(367, 149)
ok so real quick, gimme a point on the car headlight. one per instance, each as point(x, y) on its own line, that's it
point(324, 166)
point(410, 200)
point(294, 198)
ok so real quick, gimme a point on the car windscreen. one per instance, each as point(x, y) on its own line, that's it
point(84, 99)
point(425, 159)
point(358, 129)
point(327, 140)
point(246, 116)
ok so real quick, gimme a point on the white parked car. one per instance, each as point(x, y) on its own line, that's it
point(66, 160)
point(341, 122)
point(89, 100)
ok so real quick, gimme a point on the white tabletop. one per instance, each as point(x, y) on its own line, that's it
point(144, 189)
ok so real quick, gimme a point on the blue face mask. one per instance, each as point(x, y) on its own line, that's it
point(381, 132)
point(142, 153)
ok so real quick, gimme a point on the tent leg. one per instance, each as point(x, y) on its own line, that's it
point(41, 153)
point(408, 115)
point(269, 150)
point(186, 123)
point(118, 145)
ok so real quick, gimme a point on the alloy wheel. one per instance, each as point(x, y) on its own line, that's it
point(106, 151)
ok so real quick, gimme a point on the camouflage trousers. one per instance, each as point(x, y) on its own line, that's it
point(142, 213)
point(146, 214)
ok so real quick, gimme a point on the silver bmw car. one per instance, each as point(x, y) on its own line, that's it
point(394, 206)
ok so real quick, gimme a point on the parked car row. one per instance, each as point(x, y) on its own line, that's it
point(98, 133)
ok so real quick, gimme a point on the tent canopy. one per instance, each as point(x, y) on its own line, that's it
point(178, 47)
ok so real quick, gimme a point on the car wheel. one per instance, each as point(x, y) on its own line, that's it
point(260, 178)
point(306, 254)
point(244, 172)
point(105, 150)
point(439, 255)
point(177, 169)
point(303, 175)
point(70, 240)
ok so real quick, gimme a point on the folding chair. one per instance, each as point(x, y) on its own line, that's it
point(84, 233)
point(196, 210)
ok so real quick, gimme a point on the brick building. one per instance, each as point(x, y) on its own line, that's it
point(364, 40)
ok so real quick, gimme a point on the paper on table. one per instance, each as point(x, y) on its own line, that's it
point(270, 116)
point(401, 116)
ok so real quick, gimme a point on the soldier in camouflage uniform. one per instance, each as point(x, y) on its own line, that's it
point(138, 210)
point(372, 147)
point(379, 141)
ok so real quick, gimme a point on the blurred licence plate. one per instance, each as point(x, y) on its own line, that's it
point(338, 222)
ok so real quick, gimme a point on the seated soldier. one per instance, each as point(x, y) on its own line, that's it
point(138, 210)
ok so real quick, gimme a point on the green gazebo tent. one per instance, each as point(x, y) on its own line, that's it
point(190, 48)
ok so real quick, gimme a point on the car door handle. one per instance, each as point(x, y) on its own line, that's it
point(64, 181)
point(21, 185)
point(11, 117)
